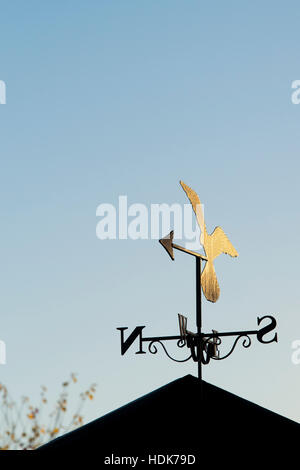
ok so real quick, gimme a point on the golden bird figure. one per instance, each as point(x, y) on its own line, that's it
point(214, 244)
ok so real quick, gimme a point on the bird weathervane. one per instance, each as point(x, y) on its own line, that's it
point(202, 346)
point(214, 245)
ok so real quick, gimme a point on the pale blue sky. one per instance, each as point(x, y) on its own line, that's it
point(109, 98)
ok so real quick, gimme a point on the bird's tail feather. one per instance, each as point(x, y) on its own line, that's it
point(209, 282)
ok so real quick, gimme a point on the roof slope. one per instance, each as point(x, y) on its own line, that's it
point(174, 419)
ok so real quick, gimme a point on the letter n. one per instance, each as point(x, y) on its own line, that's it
point(137, 332)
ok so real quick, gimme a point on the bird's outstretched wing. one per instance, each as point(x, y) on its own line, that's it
point(196, 204)
point(221, 244)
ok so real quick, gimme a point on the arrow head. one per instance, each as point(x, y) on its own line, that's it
point(167, 243)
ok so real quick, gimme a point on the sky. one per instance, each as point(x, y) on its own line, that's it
point(109, 98)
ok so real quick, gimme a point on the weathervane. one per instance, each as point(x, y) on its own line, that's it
point(202, 346)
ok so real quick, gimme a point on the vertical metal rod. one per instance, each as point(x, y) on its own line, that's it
point(199, 314)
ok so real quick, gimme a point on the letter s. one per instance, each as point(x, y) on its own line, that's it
point(266, 329)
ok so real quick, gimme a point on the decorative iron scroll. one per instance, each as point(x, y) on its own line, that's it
point(204, 346)
point(246, 344)
point(180, 343)
point(201, 351)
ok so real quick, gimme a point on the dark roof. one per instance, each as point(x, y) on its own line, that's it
point(174, 419)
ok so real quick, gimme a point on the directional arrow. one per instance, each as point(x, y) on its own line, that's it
point(167, 243)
